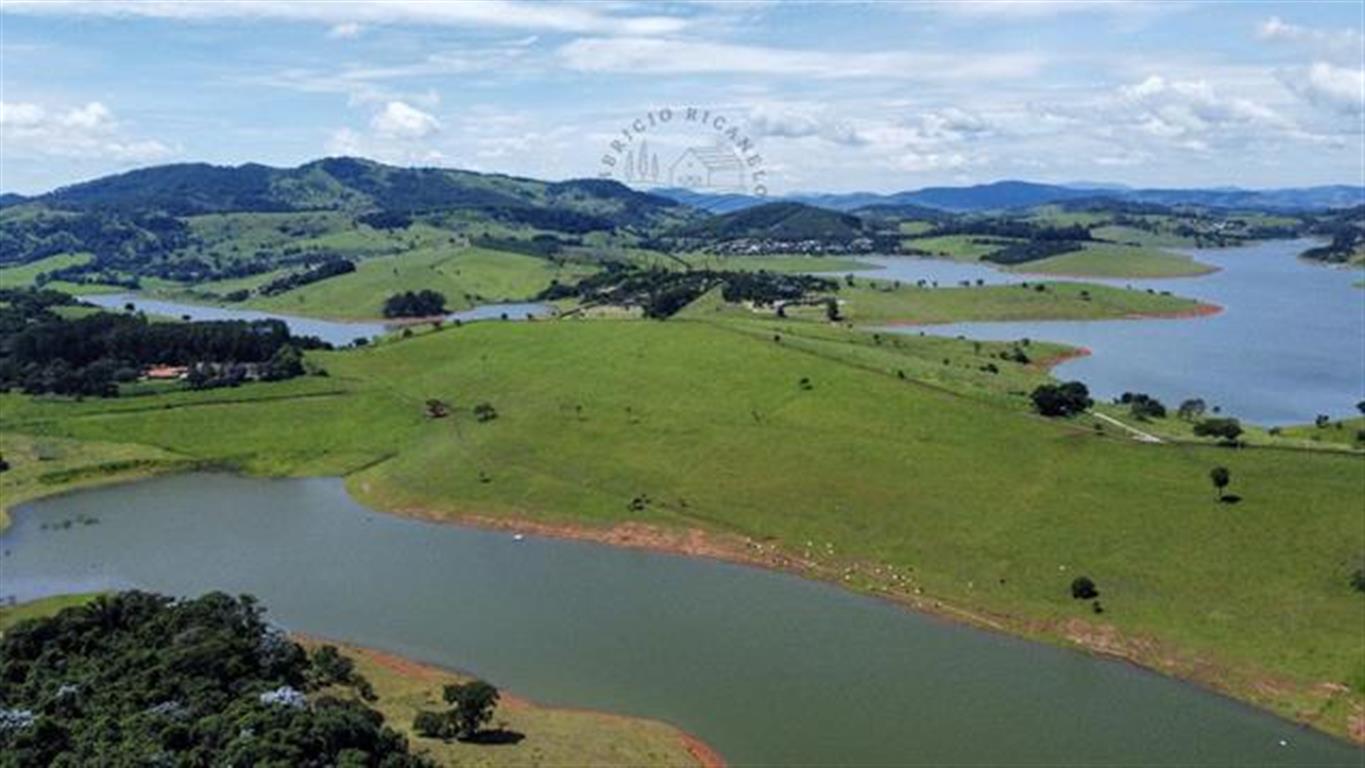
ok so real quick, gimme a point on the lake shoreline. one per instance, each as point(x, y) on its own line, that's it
point(411, 668)
point(1259, 690)
point(1201, 309)
point(1256, 688)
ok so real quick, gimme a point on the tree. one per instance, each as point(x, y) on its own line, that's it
point(1191, 409)
point(473, 704)
point(1066, 399)
point(1143, 406)
point(286, 363)
point(1220, 477)
point(1083, 588)
point(1225, 428)
point(485, 412)
point(471, 708)
point(832, 310)
point(1358, 580)
point(437, 409)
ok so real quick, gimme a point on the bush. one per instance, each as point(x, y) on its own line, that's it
point(432, 725)
point(1083, 588)
point(1066, 399)
point(1358, 580)
point(1227, 429)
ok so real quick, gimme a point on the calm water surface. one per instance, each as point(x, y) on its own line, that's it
point(768, 668)
point(336, 332)
point(1289, 344)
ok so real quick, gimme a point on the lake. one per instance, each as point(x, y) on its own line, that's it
point(1288, 345)
point(766, 667)
point(337, 332)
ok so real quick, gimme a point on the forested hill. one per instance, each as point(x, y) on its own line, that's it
point(783, 221)
point(349, 184)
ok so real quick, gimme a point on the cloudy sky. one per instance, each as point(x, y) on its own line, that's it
point(833, 96)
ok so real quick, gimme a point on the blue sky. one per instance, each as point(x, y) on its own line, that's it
point(832, 96)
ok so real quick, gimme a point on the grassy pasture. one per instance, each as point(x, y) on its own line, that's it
point(1114, 260)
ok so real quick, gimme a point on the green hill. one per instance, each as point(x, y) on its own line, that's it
point(776, 221)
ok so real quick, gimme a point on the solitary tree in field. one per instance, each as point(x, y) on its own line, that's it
point(1220, 477)
point(1192, 409)
point(1083, 588)
point(832, 310)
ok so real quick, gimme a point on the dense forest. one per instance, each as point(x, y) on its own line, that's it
point(42, 351)
point(141, 679)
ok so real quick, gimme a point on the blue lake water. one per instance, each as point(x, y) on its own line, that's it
point(337, 332)
point(768, 668)
point(1288, 345)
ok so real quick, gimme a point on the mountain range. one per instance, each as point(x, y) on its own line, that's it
point(1005, 195)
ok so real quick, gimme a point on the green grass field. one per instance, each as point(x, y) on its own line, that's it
point(25, 275)
point(1113, 260)
point(466, 276)
point(871, 302)
point(993, 508)
point(40, 608)
point(958, 247)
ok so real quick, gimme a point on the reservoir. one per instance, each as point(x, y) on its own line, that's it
point(766, 667)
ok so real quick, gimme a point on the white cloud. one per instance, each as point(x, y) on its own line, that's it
point(653, 56)
point(598, 18)
point(1189, 110)
point(1275, 29)
point(1328, 86)
point(401, 121)
point(348, 30)
point(87, 131)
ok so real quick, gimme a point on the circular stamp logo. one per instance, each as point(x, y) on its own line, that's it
point(688, 147)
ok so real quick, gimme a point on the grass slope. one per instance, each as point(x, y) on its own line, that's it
point(980, 503)
point(878, 302)
point(1114, 260)
point(466, 276)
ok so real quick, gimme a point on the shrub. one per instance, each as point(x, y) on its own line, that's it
point(1227, 429)
point(1083, 588)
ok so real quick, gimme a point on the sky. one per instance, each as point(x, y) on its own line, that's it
point(806, 96)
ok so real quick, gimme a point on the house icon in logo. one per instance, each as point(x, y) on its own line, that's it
point(711, 167)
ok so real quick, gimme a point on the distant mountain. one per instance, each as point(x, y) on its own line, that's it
point(352, 184)
point(1006, 195)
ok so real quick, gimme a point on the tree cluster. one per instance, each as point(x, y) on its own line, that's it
point(41, 351)
point(423, 303)
point(1067, 399)
point(661, 293)
point(331, 267)
point(141, 679)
